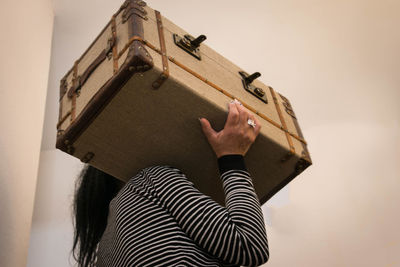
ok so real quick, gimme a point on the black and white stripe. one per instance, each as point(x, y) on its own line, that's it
point(160, 219)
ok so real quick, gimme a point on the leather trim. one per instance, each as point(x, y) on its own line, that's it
point(115, 47)
point(303, 163)
point(74, 96)
point(135, 29)
point(165, 74)
point(63, 87)
point(134, 9)
point(137, 60)
point(87, 50)
point(287, 104)
point(63, 90)
point(284, 126)
point(80, 81)
point(61, 121)
point(102, 31)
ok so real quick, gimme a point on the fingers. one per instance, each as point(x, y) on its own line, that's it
point(237, 113)
point(237, 135)
point(233, 115)
point(245, 114)
point(237, 117)
point(255, 130)
point(207, 129)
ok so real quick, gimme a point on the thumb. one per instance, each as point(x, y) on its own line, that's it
point(207, 129)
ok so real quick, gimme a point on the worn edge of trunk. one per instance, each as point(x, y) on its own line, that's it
point(136, 60)
point(300, 166)
point(305, 153)
point(303, 163)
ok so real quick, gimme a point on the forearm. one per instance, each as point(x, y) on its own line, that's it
point(235, 234)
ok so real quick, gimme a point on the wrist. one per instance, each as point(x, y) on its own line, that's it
point(227, 153)
point(231, 162)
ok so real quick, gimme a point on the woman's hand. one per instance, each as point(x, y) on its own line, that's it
point(237, 135)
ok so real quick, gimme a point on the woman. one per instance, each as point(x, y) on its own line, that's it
point(159, 218)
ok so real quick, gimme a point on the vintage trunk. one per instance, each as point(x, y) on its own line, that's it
point(133, 100)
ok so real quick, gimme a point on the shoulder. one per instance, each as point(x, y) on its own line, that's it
point(151, 179)
point(161, 170)
point(158, 172)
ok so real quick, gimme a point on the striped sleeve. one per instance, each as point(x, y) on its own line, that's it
point(235, 234)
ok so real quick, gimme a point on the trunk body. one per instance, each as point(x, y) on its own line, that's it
point(133, 98)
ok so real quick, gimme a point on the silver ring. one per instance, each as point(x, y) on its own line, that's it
point(251, 123)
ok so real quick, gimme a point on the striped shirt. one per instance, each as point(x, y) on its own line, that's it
point(160, 219)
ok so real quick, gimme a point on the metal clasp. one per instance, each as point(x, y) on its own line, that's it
point(190, 44)
point(247, 84)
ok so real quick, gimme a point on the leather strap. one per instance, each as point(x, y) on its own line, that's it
point(284, 126)
point(114, 49)
point(134, 9)
point(165, 74)
point(74, 95)
point(61, 121)
point(290, 111)
point(80, 80)
point(129, 43)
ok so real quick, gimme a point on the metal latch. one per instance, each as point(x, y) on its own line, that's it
point(256, 91)
point(190, 44)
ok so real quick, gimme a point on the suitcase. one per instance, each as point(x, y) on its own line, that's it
point(133, 100)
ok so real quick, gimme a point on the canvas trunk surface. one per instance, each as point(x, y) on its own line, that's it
point(133, 100)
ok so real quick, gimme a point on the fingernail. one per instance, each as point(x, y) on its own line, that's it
point(237, 101)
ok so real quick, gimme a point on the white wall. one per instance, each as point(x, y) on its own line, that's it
point(52, 232)
point(338, 63)
point(26, 29)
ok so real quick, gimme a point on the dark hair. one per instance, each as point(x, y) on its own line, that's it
point(94, 190)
